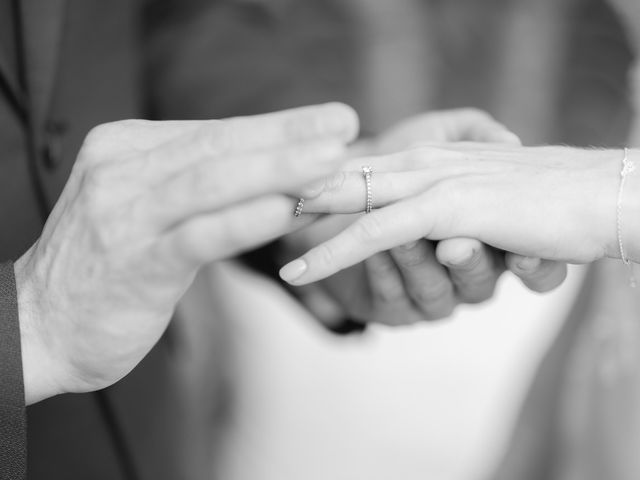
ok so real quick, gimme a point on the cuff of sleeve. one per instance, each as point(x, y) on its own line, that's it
point(12, 401)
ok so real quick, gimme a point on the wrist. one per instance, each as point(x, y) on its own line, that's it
point(630, 210)
point(627, 209)
point(39, 369)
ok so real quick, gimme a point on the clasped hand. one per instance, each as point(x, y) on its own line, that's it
point(413, 276)
point(556, 203)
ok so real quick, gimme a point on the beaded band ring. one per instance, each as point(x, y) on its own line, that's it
point(299, 206)
point(367, 172)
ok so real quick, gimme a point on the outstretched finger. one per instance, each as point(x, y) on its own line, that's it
point(296, 125)
point(211, 185)
point(464, 124)
point(473, 125)
point(214, 236)
point(381, 230)
point(237, 134)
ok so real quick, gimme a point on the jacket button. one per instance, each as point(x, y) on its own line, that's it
point(53, 153)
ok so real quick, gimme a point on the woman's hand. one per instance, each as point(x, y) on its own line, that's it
point(556, 203)
point(421, 280)
point(146, 205)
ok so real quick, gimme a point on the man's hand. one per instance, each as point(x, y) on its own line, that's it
point(146, 205)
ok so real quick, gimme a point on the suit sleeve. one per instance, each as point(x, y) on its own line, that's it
point(12, 400)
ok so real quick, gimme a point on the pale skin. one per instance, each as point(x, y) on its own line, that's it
point(147, 204)
point(420, 280)
point(556, 203)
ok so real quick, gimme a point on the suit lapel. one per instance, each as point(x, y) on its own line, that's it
point(9, 72)
point(42, 23)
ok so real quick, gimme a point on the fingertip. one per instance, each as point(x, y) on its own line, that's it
point(538, 275)
point(342, 119)
point(499, 134)
point(509, 138)
point(293, 271)
point(457, 252)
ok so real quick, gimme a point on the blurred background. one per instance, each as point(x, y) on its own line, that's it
point(429, 401)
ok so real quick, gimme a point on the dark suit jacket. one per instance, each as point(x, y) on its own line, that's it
point(80, 63)
point(84, 62)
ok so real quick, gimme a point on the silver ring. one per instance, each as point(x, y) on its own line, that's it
point(367, 172)
point(299, 206)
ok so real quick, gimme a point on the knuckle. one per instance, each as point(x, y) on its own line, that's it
point(301, 125)
point(475, 113)
point(234, 231)
point(111, 129)
point(477, 285)
point(389, 292)
point(431, 293)
point(216, 136)
point(104, 140)
point(367, 229)
point(101, 131)
point(325, 255)
point(380, 265)
point(452, 193)
point(335, 182)
point(410, 256)
point(95, 134)
point(95, 141)
point(385, 283)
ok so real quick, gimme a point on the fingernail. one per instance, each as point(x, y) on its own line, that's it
point(528, 263)
point(464, 259)
point(293, 270)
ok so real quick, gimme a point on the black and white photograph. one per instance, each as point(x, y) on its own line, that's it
point(319, 239)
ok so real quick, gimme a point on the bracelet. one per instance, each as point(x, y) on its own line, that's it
point(628, 166)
